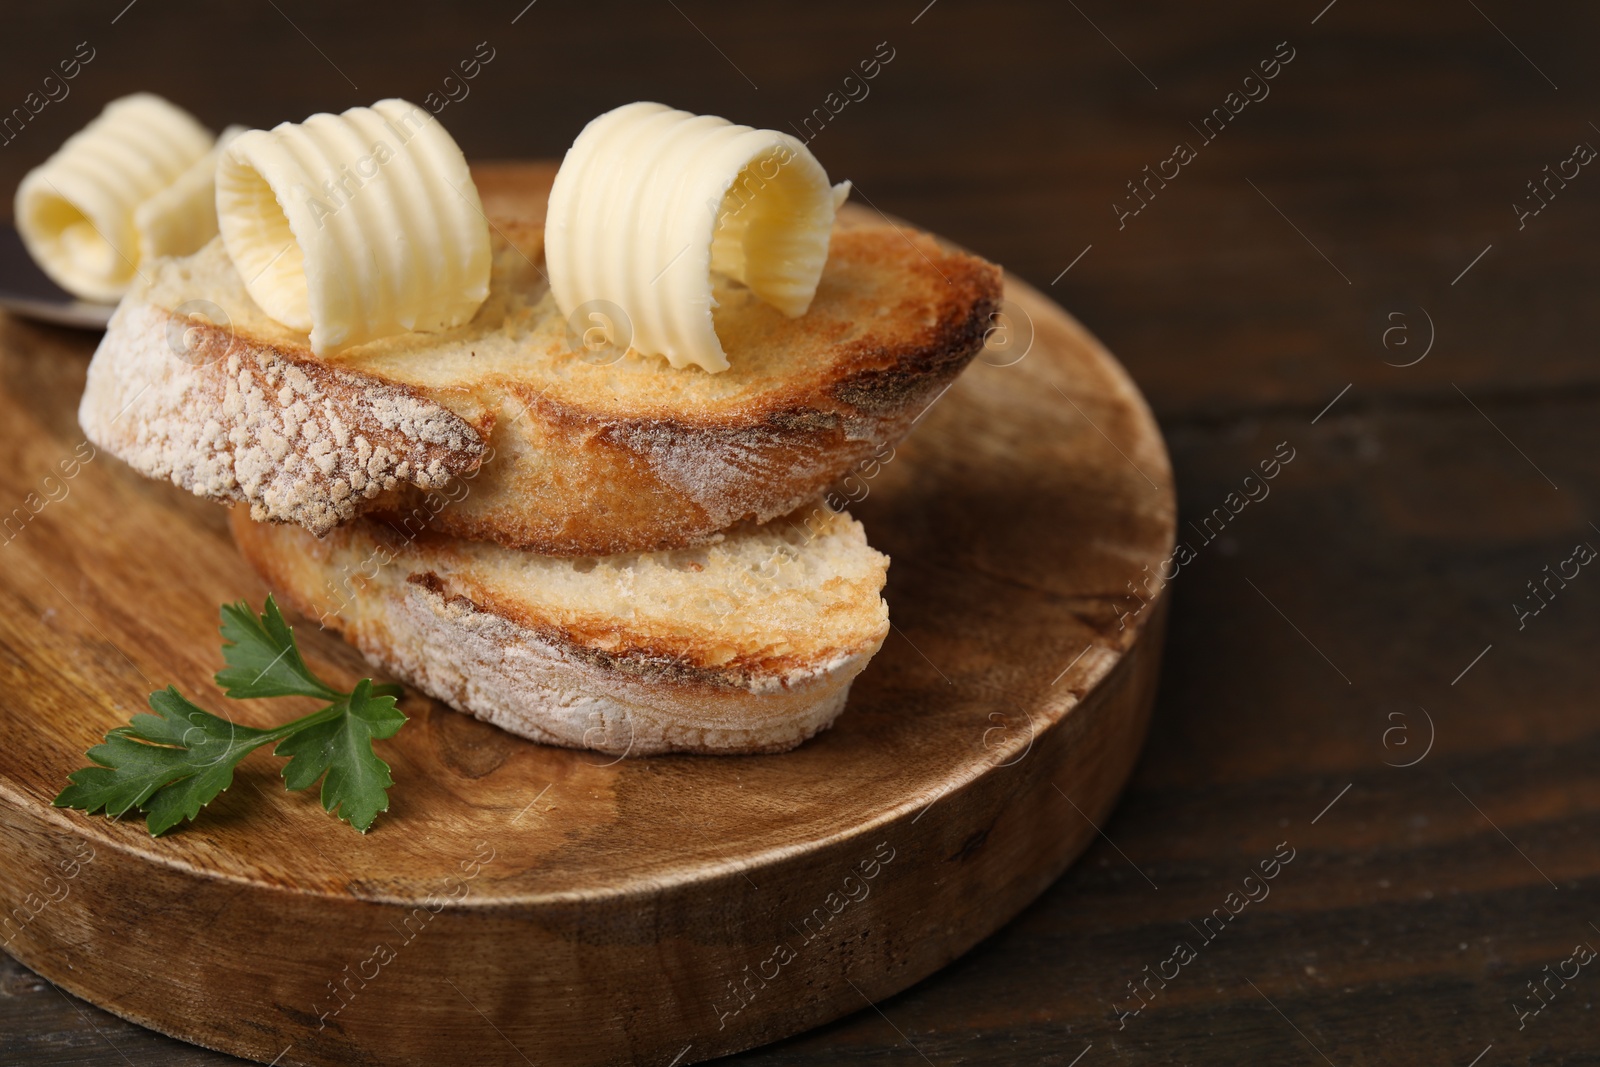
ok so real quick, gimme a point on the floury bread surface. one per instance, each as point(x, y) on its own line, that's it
point(748, 644)
point(579, 455)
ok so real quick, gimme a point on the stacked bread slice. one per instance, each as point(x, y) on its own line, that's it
point(583, 546)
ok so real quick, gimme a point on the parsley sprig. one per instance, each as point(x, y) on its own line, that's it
point(175, 762)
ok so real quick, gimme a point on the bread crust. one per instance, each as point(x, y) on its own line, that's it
point(544, 459)
point(670, 480)
point(482, 653)
point(296, 439)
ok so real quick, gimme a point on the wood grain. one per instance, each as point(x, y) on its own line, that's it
point(591, 910)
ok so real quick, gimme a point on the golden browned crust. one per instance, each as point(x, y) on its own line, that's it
point(668, 480)
point(501, 432)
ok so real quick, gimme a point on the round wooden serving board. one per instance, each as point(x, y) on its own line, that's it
point(526, 904)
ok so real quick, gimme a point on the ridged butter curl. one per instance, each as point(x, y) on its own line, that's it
point(650, 201)
point(102, 204)
point(355, 226)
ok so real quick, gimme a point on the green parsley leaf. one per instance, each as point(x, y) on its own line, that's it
point(175, 762)
point(170, 764)
point(262, 658)
point(357, 780)
point(212, 747)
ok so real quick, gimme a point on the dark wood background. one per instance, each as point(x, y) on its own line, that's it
point(1316, 640)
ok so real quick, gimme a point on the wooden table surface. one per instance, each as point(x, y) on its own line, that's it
point(1357, 665)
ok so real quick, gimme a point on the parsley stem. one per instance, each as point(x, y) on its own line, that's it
point(294, 726)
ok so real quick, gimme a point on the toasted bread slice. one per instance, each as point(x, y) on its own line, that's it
point(543, 446)
point(748, 644)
